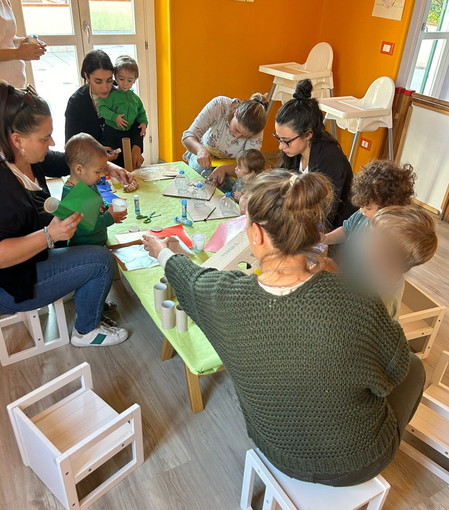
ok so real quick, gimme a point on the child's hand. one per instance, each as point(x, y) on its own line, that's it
point(238, 195)
point(242, 203)
point(120, 121)
point(118, 216)
point(143, 129)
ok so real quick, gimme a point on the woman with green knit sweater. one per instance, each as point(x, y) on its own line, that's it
point(324, 377)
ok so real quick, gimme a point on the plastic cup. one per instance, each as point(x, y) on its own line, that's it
point(198, 242)
point(118, 204)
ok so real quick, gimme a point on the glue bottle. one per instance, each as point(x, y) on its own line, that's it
point(184, 221)
point(183, 208)
point(136, 204)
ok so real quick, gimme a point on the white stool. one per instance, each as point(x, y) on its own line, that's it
point(33, 325)
point(369, 113)
point(317, 68)
point(68, 441)
point(292, 494)
point(427, 435)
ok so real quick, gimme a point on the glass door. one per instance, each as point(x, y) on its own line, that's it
point(71, 28)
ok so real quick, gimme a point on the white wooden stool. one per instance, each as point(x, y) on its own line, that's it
point(33, 324)
point(69, 440)
point(427, 435)
point(291, 494)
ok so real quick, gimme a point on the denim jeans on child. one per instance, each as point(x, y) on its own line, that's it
point(87, 270)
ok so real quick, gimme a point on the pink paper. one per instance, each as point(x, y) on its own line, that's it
point(225, 232)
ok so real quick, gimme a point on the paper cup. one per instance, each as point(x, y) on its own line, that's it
point(51, 204)
point(170, 290)
point(168, 314)
point(118, 204)
point(198, 242)
point(181, 320)
point(160, 295)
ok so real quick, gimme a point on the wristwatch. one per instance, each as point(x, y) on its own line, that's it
point(50, 242)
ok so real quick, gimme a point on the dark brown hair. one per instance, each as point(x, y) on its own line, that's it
point(383, 183)
point(21, 111)
point(128, 63)
point(252, 114)
point(80, 149)
point(254, 161)
point(411, 230)
point(291, 208)
point(95, 59)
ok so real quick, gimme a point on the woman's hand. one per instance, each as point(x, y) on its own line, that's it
point(112, 156)
point(143, 129)
point(204, 158)
point(30, 51)
point(136, 156)
point(62, 230)
point(154, 245)
point(120, 121)
point(119, 173)
point(218, 175)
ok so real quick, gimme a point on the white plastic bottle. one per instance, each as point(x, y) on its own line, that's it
point(199, 195)
point(227, 205)
point(181, 182)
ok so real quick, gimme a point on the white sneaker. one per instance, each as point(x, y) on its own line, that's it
point(103, 336)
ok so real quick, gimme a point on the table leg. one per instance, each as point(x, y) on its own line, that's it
point(167, 351)
point(193, 385)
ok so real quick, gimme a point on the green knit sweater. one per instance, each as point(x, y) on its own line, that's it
point(311, 369)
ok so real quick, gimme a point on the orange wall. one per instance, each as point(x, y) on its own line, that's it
point(208, 48)
point(216, 49)
point(356, 38)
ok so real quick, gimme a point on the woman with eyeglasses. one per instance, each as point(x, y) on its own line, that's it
point(307, 147)
point(33, 273)
point(224, 129)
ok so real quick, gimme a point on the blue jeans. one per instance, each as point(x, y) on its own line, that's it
point(87, 270)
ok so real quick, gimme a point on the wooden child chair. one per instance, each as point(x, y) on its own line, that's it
point(70, 439)
point(32, 323)
point(291, 494)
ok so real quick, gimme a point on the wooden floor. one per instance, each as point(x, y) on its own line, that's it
point(192, 461)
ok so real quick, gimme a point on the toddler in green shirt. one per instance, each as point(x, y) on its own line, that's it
point(87, 160)
point(122, 107)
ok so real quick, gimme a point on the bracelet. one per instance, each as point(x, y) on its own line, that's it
point(50, 242)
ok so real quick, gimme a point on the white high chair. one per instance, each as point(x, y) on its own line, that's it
point(292, 494)
point(318, 68)
point(372, 111)
point(72, 438)
point(427, 435)
point(32, 323)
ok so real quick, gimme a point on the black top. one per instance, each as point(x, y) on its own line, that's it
point(54, 165)
point(18, 218)
point(81, 117)
point(327, 158)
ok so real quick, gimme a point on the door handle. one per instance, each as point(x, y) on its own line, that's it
point(87, 28)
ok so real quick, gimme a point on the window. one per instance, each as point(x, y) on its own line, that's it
point(428, 46)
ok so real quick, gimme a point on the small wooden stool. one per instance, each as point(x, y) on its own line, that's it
point(66, 442)
point(292, 494)
point(34, 327)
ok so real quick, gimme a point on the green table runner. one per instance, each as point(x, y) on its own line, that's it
point(193, 347)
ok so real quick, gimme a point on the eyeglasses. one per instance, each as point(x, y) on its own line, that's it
point(286, 142)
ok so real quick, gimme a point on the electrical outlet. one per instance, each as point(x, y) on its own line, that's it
point(387, 48)
point(365, 144)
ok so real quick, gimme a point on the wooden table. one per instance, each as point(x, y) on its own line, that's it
point(199, 357)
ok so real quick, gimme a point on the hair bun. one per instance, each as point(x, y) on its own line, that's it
point(303, 90)
point(260, 98)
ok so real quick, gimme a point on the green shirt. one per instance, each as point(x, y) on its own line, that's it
point(119, 102)
point(99, 234)
point(312, 369)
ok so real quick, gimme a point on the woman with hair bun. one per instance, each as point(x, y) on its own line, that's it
point(325, 379)
point(307, 147)
point(225, 128)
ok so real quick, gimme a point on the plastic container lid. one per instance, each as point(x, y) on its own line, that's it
point(199, 185)
point(182, 172)
point(183, 201)
point(228, 194)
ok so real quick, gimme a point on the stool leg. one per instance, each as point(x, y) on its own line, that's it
point(194, 388)
point(248, 485)
point(270, 95)
point(355, 139)
point(167, 351)
point(390, 144)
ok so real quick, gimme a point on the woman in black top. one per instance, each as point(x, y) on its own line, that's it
point(32, 272)
point(81, 114)
point(307, 147)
